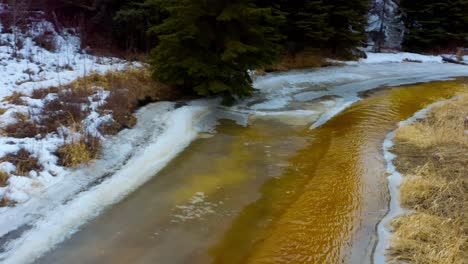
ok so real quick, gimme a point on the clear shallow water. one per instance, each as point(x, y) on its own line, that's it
point(271, 192)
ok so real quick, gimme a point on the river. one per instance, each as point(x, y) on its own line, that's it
point(267, 188)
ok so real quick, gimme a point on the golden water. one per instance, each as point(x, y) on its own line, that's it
point(273, 193)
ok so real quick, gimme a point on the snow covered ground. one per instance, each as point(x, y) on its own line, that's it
point(29, 67)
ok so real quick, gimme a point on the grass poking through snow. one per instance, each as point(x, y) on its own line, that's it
point(433, 155)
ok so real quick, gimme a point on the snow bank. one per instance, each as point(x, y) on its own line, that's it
point(399, 57)
point(162, 132)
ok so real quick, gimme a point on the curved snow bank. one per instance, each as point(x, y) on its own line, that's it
point(130, 159)
point(395, 180)
point(399, 57)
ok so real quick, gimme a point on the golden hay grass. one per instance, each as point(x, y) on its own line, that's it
point(433, 155)
point(302, 60)
point(74, 154)
point(138, 83)
point(3, 178)
point(424, 238)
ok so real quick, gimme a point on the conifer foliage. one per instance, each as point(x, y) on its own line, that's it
point(338, 25)
point(209, 45)
point(435, 24)
point(348, 20)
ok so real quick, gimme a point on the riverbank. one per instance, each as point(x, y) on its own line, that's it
point(432, 156)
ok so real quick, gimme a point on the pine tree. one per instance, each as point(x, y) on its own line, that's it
point(209, 45)
point(131, 23)
point(338, 25)
point(435, 24)
point(348, 20)
point(313, 21)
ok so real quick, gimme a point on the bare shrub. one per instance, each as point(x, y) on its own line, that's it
point(128, 90)
point(43, 92)
point(70, 107)
point(46, 41)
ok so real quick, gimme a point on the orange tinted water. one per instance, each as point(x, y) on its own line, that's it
point(325, 206)
point(272, 193)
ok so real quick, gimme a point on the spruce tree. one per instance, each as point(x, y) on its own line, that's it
point(209, 45)
point(313, 21)
point(348, 19)
point(435, 24)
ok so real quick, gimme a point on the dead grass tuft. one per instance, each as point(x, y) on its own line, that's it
point(79, 151)
point(3, 178)
point(425, 238)
point(15, 98)
point(23, 128)
point(24, 162)
point(433, 156)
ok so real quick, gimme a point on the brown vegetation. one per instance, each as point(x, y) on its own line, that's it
point(301, 60)
point(433, 156)
point(79, 151)
point(24, 162)
point(3, 178)
point(15, 98)
point(128, 90)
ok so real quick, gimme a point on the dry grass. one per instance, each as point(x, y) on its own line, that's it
point(2, 111)
point(24, 162)
point(138, 83)
point(15, 98)
point(129, 89)
point(433, 156)
point(301, 60)
point(3, 178)
point(43, 92)
point(74, 154)
point(80, 151)
point(425, 238)
point(23, 128)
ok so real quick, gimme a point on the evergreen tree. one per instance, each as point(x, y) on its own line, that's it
point(131, 23)
point(338, 25)
point(306, 25)
point(435, 24)
point(348, 19)
point(209, 45)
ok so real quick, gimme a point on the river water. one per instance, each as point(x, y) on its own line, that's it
point(268, 191)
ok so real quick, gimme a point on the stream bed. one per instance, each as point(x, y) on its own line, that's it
point(271, 190)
